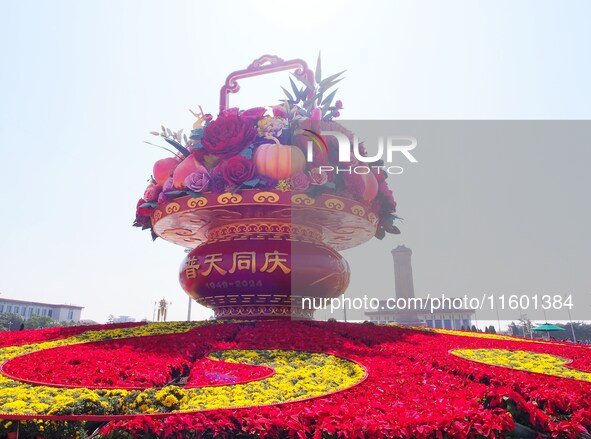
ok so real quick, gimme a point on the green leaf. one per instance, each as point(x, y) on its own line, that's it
point(175, 194)
point(295, 89)
point(252, 182)
point(184, 151)
point(303, 80)
point(194, 194)
point(318, 73)
point(315, 191)
point(390, 228)
point(151, 205)
point(289, 96)
point(247, 152)
point(328, 100)
point(380, 233)
point(326, 81)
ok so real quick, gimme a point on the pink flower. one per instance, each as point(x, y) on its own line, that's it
point(316, 113)
point(152, 192)
point(278, 111)
point(339, 104)
point(254, 114)
point(300, 182)
point(199, 180)
point(234, 111)
point(318, 178)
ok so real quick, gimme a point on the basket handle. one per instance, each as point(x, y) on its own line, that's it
point(262, 66)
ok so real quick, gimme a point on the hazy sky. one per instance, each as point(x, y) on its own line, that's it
point(82, 84)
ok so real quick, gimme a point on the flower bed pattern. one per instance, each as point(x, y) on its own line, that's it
point(416, 384)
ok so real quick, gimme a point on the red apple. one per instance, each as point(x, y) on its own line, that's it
point(183, 170)
point(163, 169)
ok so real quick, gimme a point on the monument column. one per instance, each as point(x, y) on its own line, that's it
point(403, 281)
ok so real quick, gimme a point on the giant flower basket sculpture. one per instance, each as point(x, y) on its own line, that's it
point(255, 196)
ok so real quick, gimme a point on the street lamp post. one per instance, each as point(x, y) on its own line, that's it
point(571, 325)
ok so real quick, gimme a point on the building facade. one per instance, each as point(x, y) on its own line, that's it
point(26, 309)
point(418, 311)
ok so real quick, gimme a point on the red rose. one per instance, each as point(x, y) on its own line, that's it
point(389, 205)
point(236, 170)
point(228, 135)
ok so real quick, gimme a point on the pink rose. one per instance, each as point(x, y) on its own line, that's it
point(300, 182)
point(318, 178)
point(199, 180)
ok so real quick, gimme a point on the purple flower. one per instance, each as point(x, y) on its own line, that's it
point(300, 181)
point(163, 198)
point(168, 185)
point(199, 180)
point(218, 184)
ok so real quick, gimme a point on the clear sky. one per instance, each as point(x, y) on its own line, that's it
point(82, 84)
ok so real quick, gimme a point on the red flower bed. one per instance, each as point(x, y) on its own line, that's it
point(136, 363)
point(28, 336)
point(414, 387)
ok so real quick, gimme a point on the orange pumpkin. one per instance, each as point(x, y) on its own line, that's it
point(279, 161)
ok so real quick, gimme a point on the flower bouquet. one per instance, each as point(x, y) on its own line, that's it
point(265, 182)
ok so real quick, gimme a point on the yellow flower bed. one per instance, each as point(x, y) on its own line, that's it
point(298, 375)
point(524, 360)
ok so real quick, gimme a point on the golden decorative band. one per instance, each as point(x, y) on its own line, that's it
point(245, 312)
point(265, 197)
point(358, 210)
point(172, 208)
point(229, 198)
point(280, 228)
point(302, 199)
point(334, 203)
point(197, 202)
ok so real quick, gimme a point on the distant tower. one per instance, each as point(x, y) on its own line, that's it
point(403, 283)
point(163, 310)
